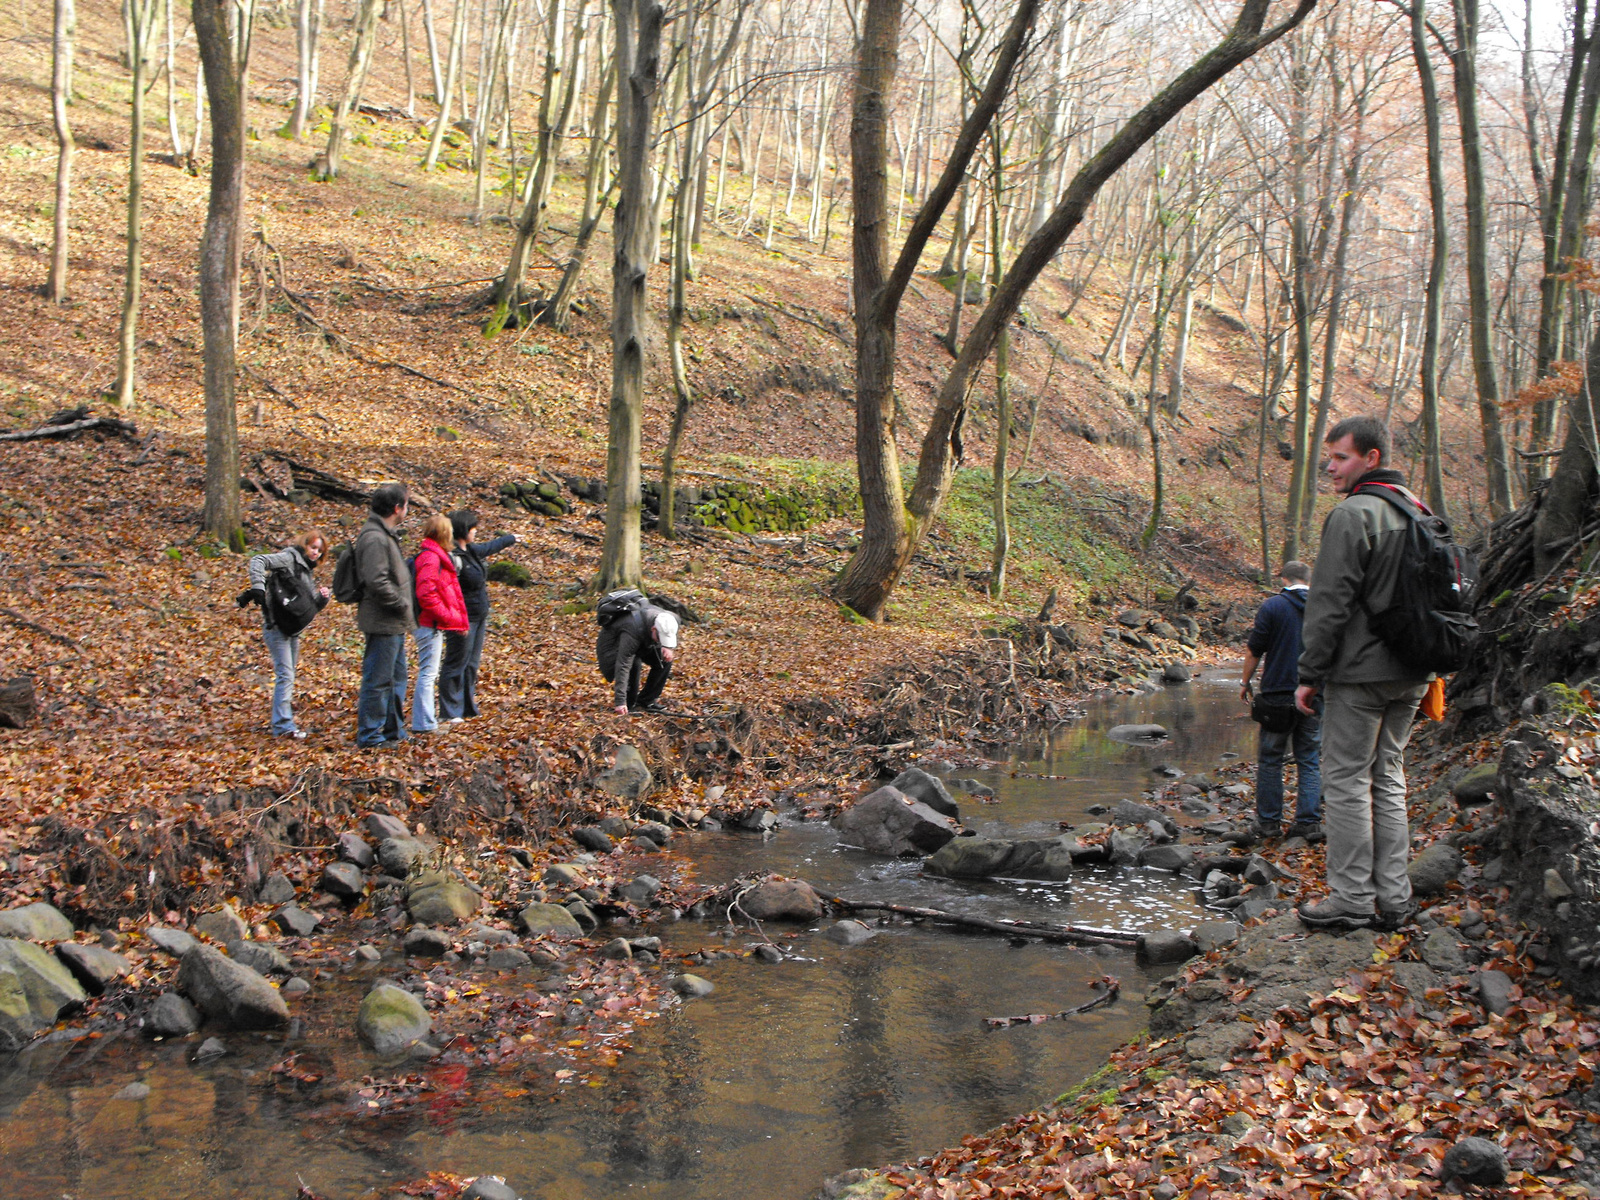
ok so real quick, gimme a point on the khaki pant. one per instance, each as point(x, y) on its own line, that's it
point(1365, 727)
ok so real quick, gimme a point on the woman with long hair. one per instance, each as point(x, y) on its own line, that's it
point(458, 679)
point(440, 611)
point(288, 603)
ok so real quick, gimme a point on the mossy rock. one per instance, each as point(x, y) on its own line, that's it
point(509, 489)
point(503, 570)
point(546, 508)
point(548, 491)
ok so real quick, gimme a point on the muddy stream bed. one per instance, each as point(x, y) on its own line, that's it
point(790, 1072)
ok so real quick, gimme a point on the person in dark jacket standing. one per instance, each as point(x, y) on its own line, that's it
point(646, 637)
point(458, 678)
point(1369, 697)
point(387, 615)
point(1274, 641)
point(298, 560)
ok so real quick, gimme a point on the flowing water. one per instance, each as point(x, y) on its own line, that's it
point(790, 1072)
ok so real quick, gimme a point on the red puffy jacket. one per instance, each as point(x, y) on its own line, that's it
point(439, 601)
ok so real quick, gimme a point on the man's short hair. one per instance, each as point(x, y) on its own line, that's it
point(1295, 571)
point(388, 498)
point(1368, 434)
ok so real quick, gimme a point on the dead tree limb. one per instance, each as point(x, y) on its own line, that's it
point(1076, 934)
point(72, 429)
point(1107, 988)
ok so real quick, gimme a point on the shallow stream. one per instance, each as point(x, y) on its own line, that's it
point(790, 1072)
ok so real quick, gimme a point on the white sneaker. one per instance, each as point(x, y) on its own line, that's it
point(455, 721)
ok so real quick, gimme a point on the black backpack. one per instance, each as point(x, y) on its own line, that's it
point(617, 605)
point(1428, 625)
point(347, 587)
point(289, 607)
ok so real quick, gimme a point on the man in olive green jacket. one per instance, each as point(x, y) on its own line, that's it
point(387, 614)
point(1369, 698)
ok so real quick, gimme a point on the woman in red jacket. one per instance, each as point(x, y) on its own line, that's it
point(440, 610)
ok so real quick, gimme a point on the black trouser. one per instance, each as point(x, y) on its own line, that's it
point(657, 680)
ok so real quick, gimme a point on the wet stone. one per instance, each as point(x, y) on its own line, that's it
point(1165, 946)
point(583, 915)
point(592, 838)
point(259, 956)
point(391, 1020)
point(641, 889)
point(691, 986)
point(133, 1091)
point(369, 954)
point(549, 920)
point(223, 988)
point(507, 958)
point(296, 987)
point(927, 789)
point(171, 1016)
point(490, 1187)
point(767, 953)
point(616, 948)
point(847, 933)
point(211, 1049)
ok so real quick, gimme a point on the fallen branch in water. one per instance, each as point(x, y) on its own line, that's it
point(1107, 988)
point(1076, 934)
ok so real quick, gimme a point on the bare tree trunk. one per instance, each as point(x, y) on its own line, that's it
point(1433, 296)
point(1496, 453)
point(1569, 502)
point(60, 97)
point(1152, 407)
point(1002, 381)
point(331, 160)
point(142, 15)
point(222, 52)
point(557, 313)
point(308, 36)
point(1302, 474)
point(638, 57)
point(452, 77)
point(886, 549)
point(434, 67)
point(180, 152)
point(405, 53)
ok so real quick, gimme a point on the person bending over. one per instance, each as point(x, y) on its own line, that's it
point(645, 636)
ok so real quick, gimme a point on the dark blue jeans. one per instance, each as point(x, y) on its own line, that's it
point(458, 678)
point(1306, 737)
point(380, 709)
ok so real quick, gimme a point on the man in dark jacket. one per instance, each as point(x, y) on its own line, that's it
point(1369, 697)
point(644, 636)
point(1274, 641)
point(386, 614)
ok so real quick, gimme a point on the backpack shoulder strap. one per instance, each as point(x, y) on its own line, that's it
point(1401, 498)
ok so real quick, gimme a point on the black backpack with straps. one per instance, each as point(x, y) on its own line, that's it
point(617, 605)
point(1428, 623)
point(289, 607)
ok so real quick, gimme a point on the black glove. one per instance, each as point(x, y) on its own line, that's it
point(251, 596)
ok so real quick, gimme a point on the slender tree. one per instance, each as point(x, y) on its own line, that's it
point(143, 18)
point(638, 66)
point(332, 159)
point(224, 53)
point(60, 97)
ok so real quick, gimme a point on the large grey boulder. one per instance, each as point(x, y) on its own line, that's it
point(1434, 869)
point(1124, 848)
point(919, 785)
point(889, 822)
point(1213, 935)
point(35, 923)
point(969, 858)
point(640, 890)
point(392, 1020)
point(1495, 990)
point(222, 925)
point(781, 900)
point(1039, 858)
point(549, 920)
point(230, 991)
point(299, 922)
point(436, 899)
point(35, 989)
point(592, 837)
point(95, 967)
point(276, 890)
point(628, 778)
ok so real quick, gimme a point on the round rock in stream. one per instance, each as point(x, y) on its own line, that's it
point(223, 988)
point(1137, 734)
point(171, 1016)
point(691, 986)
point(391, 1020)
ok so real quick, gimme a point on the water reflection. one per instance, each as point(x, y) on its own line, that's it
point(790, 1072)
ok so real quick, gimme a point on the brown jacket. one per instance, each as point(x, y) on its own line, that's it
point(387, 605)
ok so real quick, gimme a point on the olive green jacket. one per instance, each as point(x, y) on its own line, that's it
point(387, 602)
point(1354, 573)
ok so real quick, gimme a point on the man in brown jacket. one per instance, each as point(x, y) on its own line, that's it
point(1369, 697)
point(387, 614)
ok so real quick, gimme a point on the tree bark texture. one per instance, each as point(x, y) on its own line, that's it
point(220, 249)
point(142, 20)
point(1496, 453)
point(60, 97)
point(1569, 500)
point(638, 56)
point(356, 77)
point(1433, 295)
point(307, 37)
